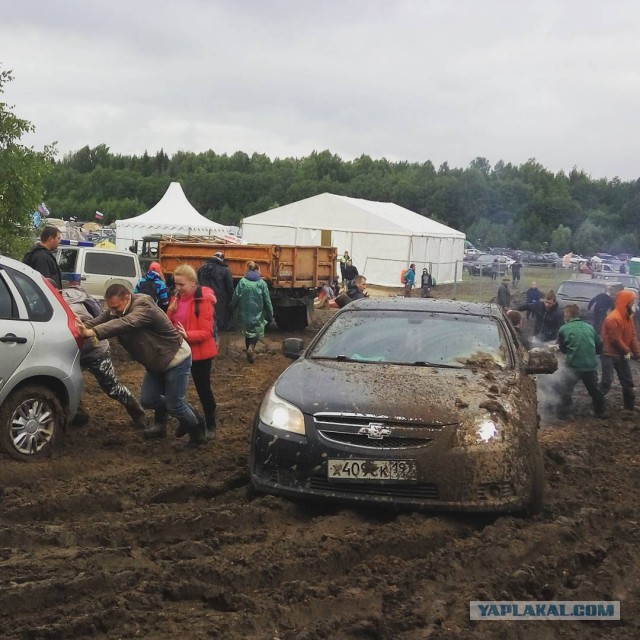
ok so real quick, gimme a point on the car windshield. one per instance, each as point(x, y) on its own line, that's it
point(414, 338)
point(577, 289)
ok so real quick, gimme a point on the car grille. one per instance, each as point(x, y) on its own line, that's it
point(365, 441)
point(420, 491)
point(357, 431)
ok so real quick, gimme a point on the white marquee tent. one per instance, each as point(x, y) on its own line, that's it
point(173, 215)
point(381, 237)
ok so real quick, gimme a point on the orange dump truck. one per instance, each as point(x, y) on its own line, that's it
point(292, 273)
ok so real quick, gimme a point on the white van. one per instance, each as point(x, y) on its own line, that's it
point(98, 268)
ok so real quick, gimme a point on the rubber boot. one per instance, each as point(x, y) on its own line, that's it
point(210, 427)
point(251, 351)
point(196, 434)
point(628, 399)
point(138, 416)
point(159, 427)
point(182, 429)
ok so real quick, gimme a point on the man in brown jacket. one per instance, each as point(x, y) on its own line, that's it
point(619, 344)
point(144, 330)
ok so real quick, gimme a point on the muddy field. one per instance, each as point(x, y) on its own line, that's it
point(121, 538)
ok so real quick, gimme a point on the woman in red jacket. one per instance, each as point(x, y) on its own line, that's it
point(191, 311)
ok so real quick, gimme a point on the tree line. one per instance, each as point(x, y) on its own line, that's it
point(525, 206)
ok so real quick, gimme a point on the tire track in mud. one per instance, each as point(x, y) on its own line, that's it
point(162, 542)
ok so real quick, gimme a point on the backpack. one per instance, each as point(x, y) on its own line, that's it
point(403, 274)
point(93, 307)
point(149, 287)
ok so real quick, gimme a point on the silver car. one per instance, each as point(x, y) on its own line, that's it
point(40, 376)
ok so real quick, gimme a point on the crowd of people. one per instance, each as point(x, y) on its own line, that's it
point(171, 332)
point(610, 340)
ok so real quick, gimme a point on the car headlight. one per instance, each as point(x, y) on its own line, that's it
point(278, 413)
point(484, 430)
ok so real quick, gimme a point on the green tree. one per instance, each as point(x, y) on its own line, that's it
point(588, 239)
point(560, 239)
point(22, 172)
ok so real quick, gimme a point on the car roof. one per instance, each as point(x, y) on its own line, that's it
point(14, 264)
point(591, 282)
point(434, 305)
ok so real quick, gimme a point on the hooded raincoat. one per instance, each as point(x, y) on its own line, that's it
point(251, 301)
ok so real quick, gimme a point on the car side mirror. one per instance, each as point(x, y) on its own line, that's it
point(292, 348)
point(541, 362)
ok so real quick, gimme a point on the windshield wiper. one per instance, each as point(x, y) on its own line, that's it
point(425, 363)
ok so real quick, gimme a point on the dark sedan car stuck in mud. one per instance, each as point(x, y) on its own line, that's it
point(423, 403)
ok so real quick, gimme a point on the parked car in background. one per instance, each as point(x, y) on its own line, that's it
point(342, 423)
point(503, 251)
point(470, 250)
point(40, 377)
point(552, 258)
point(99, 268)
point(482, 264)
point(530, 257)
point(628, 281)
point(581, 292)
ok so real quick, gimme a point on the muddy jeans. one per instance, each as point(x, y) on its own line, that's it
point(103, 371)
point(168, 390)
point(407, 290)
point(566, 386)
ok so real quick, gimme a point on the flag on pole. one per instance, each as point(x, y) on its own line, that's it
point(42, 209)
point(99, 215)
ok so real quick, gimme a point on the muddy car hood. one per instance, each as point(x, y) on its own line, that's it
point(396, 391)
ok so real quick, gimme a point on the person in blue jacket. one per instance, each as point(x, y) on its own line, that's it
point(153, 285)
point(409, 280)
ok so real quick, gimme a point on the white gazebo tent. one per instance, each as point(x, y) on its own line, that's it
point(173, 215)
point(381, 237)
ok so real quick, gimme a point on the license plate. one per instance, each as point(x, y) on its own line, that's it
point(372, 470)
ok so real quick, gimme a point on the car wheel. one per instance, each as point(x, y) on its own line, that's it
point(536, 497)
point(31, 419)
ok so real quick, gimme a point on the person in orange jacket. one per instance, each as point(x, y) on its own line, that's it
point(191, 312)
point(620, 343)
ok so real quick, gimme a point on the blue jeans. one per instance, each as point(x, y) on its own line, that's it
point(167, 391)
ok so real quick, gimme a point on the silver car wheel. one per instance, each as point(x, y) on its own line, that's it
point(32, 426)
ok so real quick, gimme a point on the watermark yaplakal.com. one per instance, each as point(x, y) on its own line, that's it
point(545, 610)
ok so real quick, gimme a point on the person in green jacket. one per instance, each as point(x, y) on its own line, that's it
point(581, 344)
point(251, 301)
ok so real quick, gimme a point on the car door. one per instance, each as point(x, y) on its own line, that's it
point(16, 331)
point(102, 268)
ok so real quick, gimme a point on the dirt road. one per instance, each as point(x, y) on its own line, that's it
point(121, 538)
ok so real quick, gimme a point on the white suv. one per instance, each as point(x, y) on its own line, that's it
point(98, 268)
point(40, 377)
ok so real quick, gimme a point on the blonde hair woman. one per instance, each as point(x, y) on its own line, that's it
point(191, 311)
point(252, 302)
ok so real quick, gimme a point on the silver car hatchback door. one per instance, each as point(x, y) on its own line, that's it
point(16, 331)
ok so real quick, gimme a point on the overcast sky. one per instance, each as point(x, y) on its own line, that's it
point(416, 80)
